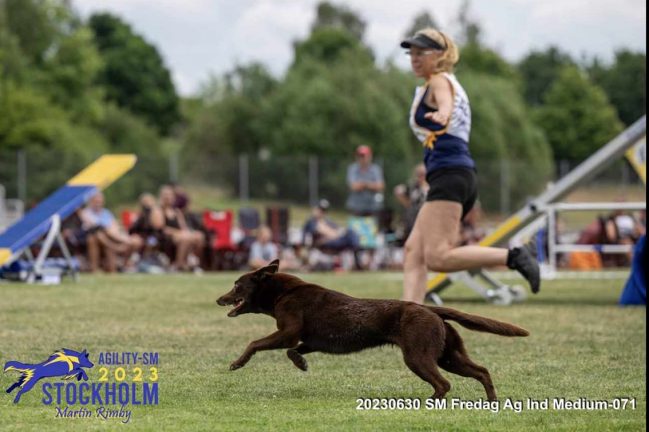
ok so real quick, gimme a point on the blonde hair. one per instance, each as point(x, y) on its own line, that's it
point(451, 54)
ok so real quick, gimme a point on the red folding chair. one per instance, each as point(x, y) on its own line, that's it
point(128, 218)
point(219, 224)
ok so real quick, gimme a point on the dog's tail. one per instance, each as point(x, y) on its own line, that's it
point(478, 323)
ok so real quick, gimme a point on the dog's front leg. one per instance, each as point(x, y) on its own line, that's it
point(279, 339)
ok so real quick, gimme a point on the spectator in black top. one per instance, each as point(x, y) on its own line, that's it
point(412, 196)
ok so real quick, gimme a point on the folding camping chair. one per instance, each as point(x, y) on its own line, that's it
point(277, 219)
point(367, 230)
point(224, 251)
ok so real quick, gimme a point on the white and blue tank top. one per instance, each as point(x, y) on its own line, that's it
point(444, 146)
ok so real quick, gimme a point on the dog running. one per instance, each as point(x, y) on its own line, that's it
point(311, 318)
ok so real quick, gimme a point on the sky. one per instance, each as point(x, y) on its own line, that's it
point(203, 38)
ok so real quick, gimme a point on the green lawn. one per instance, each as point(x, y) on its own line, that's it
point(581, 345)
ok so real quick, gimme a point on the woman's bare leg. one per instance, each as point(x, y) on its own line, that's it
point(442, 222)
point(431, 245)
point(414, 266)
point(437, 232)
point(183, 246)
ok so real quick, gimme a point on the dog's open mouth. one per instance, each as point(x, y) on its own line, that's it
point(238, 303)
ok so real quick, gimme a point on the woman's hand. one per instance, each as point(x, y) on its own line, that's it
point(437, 117)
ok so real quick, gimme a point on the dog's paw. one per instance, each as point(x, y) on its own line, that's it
point(234, 366)
point(297, 359)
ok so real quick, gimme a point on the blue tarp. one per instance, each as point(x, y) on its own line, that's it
point(635, 290)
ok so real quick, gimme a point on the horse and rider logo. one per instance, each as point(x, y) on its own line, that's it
point(64, 363)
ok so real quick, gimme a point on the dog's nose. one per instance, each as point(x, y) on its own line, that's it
point(220, 301)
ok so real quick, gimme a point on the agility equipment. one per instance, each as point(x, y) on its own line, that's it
point(630, 143)
point(45, 219)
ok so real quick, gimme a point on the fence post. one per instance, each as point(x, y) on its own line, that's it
point(505, 187)
point(173, 167)
point(313, 180)
point(21, 160)
point(564, 167)
point(244, 180)
point(626, 174)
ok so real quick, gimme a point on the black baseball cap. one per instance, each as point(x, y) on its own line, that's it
point(420, 40)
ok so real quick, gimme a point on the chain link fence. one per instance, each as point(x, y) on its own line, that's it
point(504, 186)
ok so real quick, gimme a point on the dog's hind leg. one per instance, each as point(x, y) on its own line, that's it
point(422, 347)
point(456, 360)
point(427, 370)
point(295, 354)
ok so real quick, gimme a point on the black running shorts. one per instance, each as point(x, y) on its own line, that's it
point(453, 184)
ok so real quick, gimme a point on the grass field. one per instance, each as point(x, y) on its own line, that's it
point(581, 345)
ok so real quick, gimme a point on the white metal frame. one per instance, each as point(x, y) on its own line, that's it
point(53, 235)
point(555, 248)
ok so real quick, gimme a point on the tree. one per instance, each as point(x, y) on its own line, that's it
point(333, 16)
point(539, 69)
point(576, 116)
point(47, 47)
point(252, 81)
point(504, 134)
point(470, 28)
point(13, 63)
point(422, 20)
point(37, 25)
point(328, 45)
point(69, 76)
point(134, 74)
point(476, 57)
point(227, 123)
point(625, 83)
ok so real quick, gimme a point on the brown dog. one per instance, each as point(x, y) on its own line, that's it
point(311, 318)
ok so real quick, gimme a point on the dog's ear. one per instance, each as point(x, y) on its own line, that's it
point(272, 267)
point(268, 270)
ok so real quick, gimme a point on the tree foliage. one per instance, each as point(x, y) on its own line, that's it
point(51, 104)
point(625, 83)
point(539, 69)
point(334, 97)
point(422, 20)
point(134, 74)
point(71, 90)
point(576, 116)
point(338, 17)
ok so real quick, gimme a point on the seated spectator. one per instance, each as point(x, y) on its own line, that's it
point(262, 250)
point(176, 233)
point(325, 233)
point(194, 220)
point(617, 228)
point(144, 227)
point(621, 228)
point(412, 196)
point(105, 237)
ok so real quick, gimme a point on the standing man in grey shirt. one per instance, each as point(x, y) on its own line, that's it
point(365, 181)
